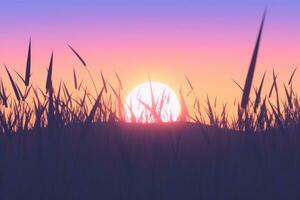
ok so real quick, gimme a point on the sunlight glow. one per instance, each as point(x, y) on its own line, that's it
point(139, 106)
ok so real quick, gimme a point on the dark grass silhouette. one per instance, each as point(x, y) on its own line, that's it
point(54, 145)
point(166, 161)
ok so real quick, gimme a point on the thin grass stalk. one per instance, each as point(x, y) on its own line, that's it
point(13, 84)
point(28, 66)
point(250, 74)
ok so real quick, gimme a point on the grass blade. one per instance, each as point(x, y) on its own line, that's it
point(104, 83)
point(119, 80)
point(238, 85)
point(273, 84)
point(258, 96)
point(96, 105)
point(13, 84)
point(49, 75)
point(78, 56)
point(251, 69)
point(28, 65)
point(3, 95)
point(20, 77)
point(288, 96)
point(75, 79)
point(291, 78)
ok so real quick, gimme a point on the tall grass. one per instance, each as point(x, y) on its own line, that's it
point(36, 108)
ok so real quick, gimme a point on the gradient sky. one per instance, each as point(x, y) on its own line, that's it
point(209, 41)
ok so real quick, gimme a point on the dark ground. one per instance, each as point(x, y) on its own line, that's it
point(172, 161)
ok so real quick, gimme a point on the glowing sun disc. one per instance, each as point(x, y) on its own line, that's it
point(151, 102)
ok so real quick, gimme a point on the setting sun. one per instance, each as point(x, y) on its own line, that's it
point(151, 102)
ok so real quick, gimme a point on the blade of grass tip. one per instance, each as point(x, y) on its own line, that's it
point(189, 82)
point(251, 69)
point(96, 105)
point(277, 99)
point(238, 85)
point(4, 96)
point(120, 105)
point(91, 77)
point(49, 75)
point(113, 89)
point(255, 90)
point(104, 82)
point(20, 76)
point(20, 92)
point(27, 92)
point(273, 84)
point(288, 96)
point(258, 96)
point(13, 84)
point(49, 88)
point(75, 79)
point(41, 91)
point(191, 86)
point(79, 85)
point(28, 65)
point(67, 94)
point(210, 111)
point(90, 97)
point(291, 78)
point(119, 80)
point(78, 56)
point(76, 101)
point(240, 88)
point(277, 117)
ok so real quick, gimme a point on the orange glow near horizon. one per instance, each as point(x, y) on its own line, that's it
point(210, 75)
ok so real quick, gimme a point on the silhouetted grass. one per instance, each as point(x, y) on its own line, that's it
point(64, 107)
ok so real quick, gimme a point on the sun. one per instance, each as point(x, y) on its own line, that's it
point(151, 102)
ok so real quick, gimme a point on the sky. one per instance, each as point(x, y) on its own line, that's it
point(210, 42)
